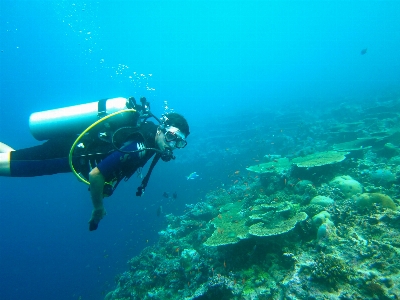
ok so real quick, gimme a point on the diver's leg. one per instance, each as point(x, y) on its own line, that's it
point(5, 164)
point(46, 159)
point(5, 148)
point(33, 168)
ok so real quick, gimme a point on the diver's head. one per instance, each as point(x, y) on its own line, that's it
point(176, 120)
point(172, 132)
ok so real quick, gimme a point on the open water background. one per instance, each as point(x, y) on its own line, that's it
point(220, 63)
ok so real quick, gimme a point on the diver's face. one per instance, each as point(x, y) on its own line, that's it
point(160, 141)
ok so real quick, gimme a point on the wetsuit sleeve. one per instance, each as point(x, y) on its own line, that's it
point(112, 166)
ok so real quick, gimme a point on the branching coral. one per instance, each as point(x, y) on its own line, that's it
point(331, 269)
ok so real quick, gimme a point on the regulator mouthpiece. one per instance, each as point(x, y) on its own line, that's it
point(167, 155)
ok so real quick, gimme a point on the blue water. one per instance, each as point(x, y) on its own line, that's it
point(213, 61)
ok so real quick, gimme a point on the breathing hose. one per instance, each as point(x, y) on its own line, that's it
point(79, 176)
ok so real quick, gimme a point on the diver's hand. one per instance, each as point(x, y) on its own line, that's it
point(97, 215)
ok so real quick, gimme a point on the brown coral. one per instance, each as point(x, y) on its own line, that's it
point(367, 200)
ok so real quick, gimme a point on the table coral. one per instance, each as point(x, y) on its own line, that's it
point(274, 225)
point(319, 159)
point(230, 226)
point(235, 223)
point(278, 166)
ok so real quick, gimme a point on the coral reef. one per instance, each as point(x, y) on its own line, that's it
point(294, 227)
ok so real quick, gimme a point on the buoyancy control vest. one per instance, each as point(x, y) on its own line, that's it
point(109, 124)
point(92, 151)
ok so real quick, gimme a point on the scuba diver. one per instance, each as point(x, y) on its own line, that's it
point(117, 142)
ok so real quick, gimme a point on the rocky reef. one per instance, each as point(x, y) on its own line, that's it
point(322, 225)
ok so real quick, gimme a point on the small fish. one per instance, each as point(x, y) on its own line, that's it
point(175, 195)
point(192, 176)
point(165, 195)
point(363, 51)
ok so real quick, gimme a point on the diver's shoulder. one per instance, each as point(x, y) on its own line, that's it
point(148, 125)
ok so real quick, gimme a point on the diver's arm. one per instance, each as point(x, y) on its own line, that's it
point(97, 181)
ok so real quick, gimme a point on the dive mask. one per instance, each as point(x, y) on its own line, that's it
point(174, 137)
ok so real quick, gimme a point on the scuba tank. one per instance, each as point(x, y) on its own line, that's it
point(72, 120)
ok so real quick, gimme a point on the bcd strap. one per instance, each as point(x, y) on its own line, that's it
point(145, 180)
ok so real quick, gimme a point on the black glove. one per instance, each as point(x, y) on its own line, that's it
point(93, 225)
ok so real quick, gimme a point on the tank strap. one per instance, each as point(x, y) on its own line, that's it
point(102, 108)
